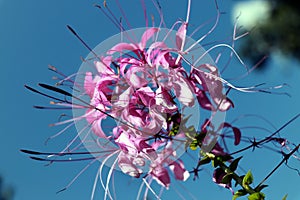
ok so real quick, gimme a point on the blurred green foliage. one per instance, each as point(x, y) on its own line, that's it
point(6, 193)
point(279, 33)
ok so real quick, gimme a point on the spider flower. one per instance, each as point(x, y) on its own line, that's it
point(137, 99)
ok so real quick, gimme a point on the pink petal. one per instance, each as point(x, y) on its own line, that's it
point(223, 102)
point(97, 128)
point(123, 99)
point(217, 178)
point(136, 76)
point(207, 76)
point(146, 95)
point(183, 91)
point(146, 36)
point(126, 143)
point(164, 101)
point(179, 171)
point(89, 85)
point(236, 131)
point(103, 66)
point(237, 135)
point(161, 176)
point(122, 47)
point(95, 118)
point(147, 149)
point(127, 166)
point(155, 52)
point(204, 101)
point(180, 35)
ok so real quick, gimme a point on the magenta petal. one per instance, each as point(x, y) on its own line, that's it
point(218, 150)
point(218, 176)
point(237, 135)
point(161, 175)
point(208, 77)
point(127, 166)
point(146, 95)
point(126, 143)
point(136, 76)
point(89, 85)
point(95, 118)
point(103, 66)
point(164, 101)
point(183, 91)
point(236, 131)
point(122, 47)
point(156, 53)
point(204, 101)
point(179, 171)
point(97, 129)
point(180, 35)
point(223, 102)
point(147, 149)
point(146, 36)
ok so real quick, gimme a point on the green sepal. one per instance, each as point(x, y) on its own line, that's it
point(238, 194)
point(233, 166)
point(285, 197)
point(226, 158)
point(194, 145)
point(227, 178)
point(248, 179)
point(204, 160)
point(217, 161)
point(220, 159)
point(256, 196)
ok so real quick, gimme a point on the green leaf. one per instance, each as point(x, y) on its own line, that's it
point(220, 159)
point(248, 179)
point(285, 197)
point(234, 164)
point(238, 194)
point(257, 196)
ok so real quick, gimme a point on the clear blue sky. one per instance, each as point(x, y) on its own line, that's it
point(33, 34)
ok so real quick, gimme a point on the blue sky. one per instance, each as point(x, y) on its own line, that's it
point(33, 34)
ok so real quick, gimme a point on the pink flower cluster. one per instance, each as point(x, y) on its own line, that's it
point(145, 88)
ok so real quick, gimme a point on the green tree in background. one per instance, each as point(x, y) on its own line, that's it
point(278, 33)
point(6, 193)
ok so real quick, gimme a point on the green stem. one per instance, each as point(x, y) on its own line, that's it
point(237, 178)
